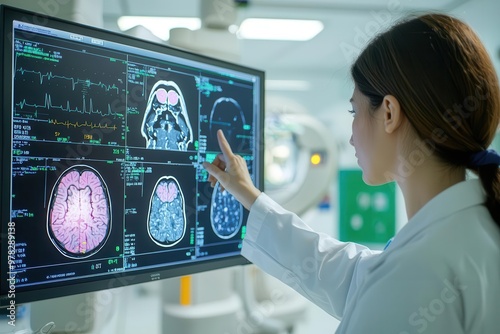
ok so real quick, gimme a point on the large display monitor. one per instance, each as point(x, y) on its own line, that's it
point(102, 140)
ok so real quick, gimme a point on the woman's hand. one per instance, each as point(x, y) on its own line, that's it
point(231, 172)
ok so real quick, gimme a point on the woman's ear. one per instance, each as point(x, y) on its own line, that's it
point(393, 116)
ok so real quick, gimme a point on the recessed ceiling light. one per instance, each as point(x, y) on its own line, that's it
point(159, 26)
point(279, 29)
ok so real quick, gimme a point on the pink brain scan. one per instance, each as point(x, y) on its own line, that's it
point(79, 215)
point(167, 214)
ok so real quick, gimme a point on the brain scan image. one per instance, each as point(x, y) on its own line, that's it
point(166, 123)
point(167, 217)
point(226, 213)
point(227, 115)
point(79, 215)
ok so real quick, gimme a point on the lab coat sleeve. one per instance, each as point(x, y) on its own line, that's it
point(321, 268)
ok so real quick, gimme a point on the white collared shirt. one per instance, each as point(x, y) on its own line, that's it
point(440, 274)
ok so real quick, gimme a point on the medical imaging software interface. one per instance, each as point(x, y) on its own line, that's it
point(107, 145)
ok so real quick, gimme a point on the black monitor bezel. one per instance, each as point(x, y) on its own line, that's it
point(8, 14)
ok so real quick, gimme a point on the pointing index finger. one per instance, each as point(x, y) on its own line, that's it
point(224, 145)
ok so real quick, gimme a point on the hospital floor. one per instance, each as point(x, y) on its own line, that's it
point(140, 313)
point(315, 320)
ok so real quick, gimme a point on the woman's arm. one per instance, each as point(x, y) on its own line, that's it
point(321, 268)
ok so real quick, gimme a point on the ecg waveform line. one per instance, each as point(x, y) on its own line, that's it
point(74, 82)
point(48, 105)
point(91, 125)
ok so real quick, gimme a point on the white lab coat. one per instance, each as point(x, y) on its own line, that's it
point(440, 274)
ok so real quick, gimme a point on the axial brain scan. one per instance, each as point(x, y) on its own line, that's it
point(166, 123)
point(79, 216)
point(226, 213)
point(167, 218)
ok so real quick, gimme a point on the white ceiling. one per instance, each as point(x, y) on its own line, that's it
point(341, 19)
point(322, 61)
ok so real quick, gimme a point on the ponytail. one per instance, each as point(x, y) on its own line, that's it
point(490, 178)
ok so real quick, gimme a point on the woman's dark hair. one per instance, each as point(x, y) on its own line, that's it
point(445, 82)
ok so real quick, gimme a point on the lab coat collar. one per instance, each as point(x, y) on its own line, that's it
point(453, 199)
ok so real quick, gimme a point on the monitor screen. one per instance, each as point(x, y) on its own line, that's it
point(102, 140)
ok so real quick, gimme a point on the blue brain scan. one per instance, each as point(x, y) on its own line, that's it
point(167, 215)
point(166, 124)
point(226, 214)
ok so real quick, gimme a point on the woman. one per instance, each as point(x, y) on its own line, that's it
point(426, 106)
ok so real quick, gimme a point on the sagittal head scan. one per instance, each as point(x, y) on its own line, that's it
point(227, 115)
point(166, 123)
point(79, 216)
